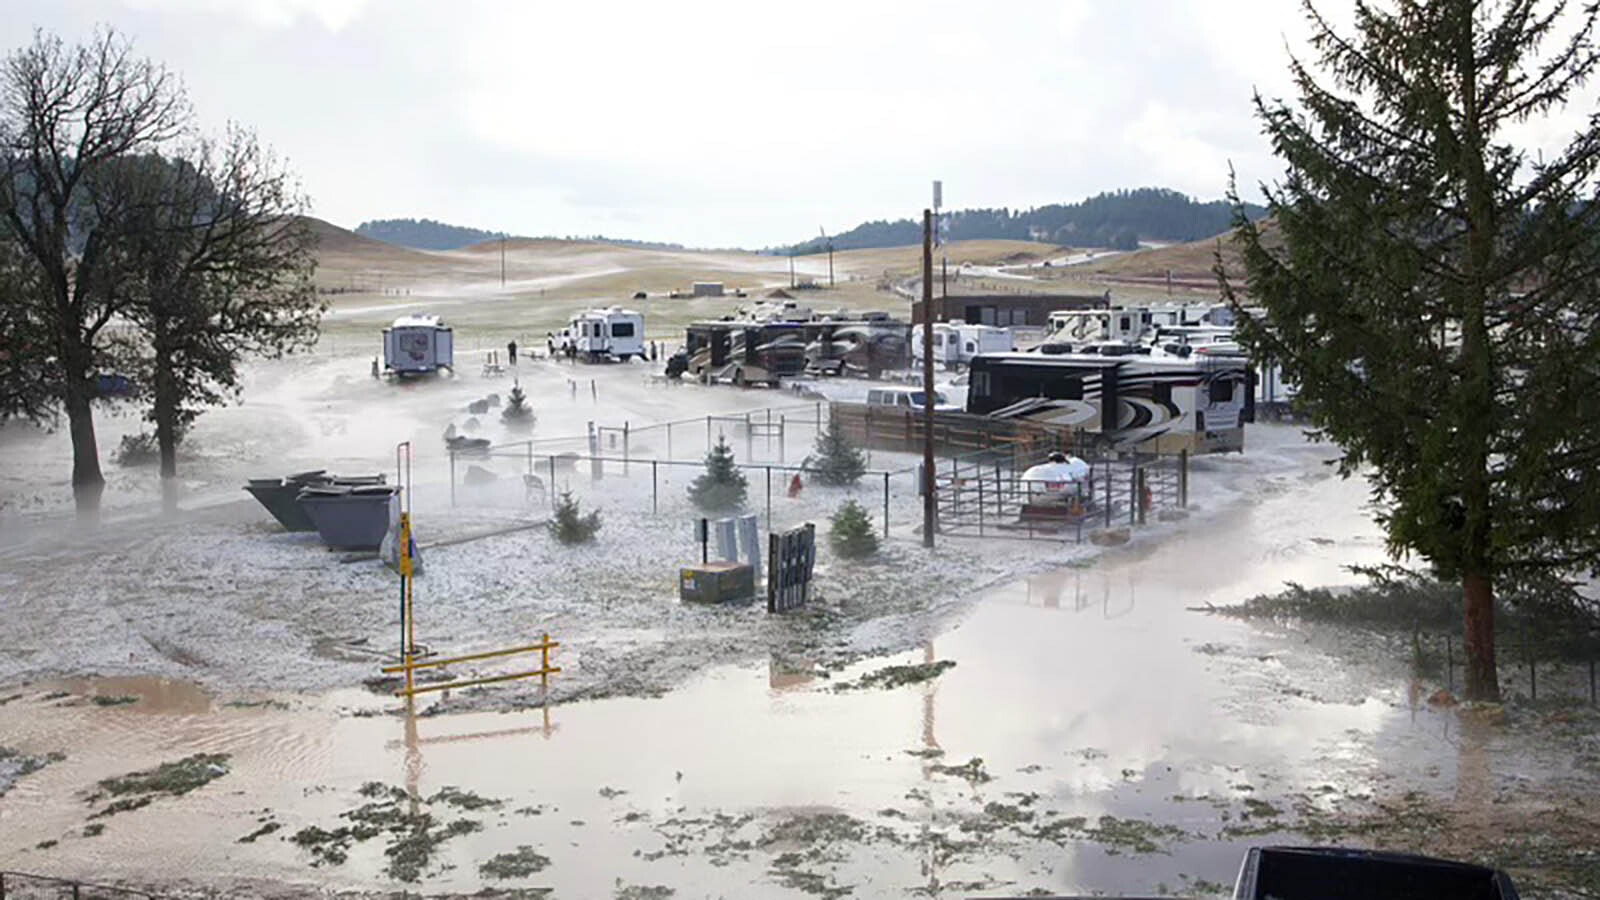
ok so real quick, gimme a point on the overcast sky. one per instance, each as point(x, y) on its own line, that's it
point(740, 123)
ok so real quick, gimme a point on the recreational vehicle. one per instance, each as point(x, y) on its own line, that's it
point(1081, 325)
point(417, 345)
point(613, 333)
point(745, 352)
point(869, 347)
point(1159, 403)
point(956, 343)
point(908, 398)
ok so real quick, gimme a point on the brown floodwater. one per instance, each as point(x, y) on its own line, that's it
point(1094, 691)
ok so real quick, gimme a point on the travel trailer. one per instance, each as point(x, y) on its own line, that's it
point(908, 398)
point(1081, 325)
point(1157, 403)
point(599, 334)
point(744, 352)
point(956, 343)
point(777, 310)
point(417, 345)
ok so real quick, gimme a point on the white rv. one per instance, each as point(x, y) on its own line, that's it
point(613, 333)
point(418, 345)
point(956, 343)
point(1074, 326)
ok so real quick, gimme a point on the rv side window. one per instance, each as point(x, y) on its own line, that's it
point(980, 384)
point(622, 329)
point(1221, 391)
point(1064, 389)
point(1127, 324)
point(1161, 393)
point(875, 397)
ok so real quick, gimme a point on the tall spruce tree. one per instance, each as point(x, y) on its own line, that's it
point(1434, 289)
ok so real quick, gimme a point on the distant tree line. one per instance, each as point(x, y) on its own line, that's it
point(1119, 220)
point(425, 234)
point(140, 261)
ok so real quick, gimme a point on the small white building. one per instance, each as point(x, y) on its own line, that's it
point(418, 345)
point(706, 289)
point(613, 333)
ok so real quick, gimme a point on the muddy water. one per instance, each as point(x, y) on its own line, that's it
point(1093, 689)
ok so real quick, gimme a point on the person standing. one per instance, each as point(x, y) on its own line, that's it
point(511, 352)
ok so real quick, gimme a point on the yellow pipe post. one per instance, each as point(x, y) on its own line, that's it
point(469, 657)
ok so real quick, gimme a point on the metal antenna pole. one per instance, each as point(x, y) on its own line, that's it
point(929, 508)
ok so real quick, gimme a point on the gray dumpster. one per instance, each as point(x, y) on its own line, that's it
point(281, 495)
point(349, 518)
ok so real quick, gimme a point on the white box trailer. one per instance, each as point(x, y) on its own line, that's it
point(956, 343)
point(418, 345)
point(598, 334)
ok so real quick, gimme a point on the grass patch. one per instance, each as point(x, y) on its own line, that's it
point(890, 677)
point(412, 837)
point(259, 833)
point(970, 771)
point(138, 789)
point(94, 829)
point(112, 700)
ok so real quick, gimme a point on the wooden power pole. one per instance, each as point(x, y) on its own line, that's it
point(930, 508)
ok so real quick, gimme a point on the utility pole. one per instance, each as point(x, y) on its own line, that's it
point(944, 261)
point(791, 268)
point(930, 507)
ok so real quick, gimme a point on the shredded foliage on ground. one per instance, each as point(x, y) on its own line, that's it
point(971, 771)
point(890, 677)
point(112, 700)
point(521, 863)
point(413, 832)
point(136, 790)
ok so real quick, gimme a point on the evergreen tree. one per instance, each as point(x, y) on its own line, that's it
point(569, 525)
point(722, 486)
point(1435, 291)
point(851, 534)
point(836, 461)
point(517, 412)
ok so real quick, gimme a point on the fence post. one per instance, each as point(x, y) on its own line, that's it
point(552, 459)
point(783, 435)
point(868, 440)
point(452, 477)
point(1450, 663)
point(708, 434)
point(654, 491)
point(594, 391)
point(999, 508)
point(980, 503)
point(769, 498)
point(1133, 494)
point(887, 534)
point(1108, 493)
point(1143, 487)
point(1183, 478)
point(669, 440)
point(624, 447)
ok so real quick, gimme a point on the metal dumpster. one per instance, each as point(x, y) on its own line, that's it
point(1327, 873)
point(281, 495)
point(350, 518)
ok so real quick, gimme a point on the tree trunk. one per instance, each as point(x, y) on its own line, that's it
point(87, 482)
point(1483, 677)
point(166, 416)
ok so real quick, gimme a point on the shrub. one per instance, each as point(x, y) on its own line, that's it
point(722, 486)
point(137, 450)
point(517, 411)
point(836, 461)
point(570, 526)
point(852, 535)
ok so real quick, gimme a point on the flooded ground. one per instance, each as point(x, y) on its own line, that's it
point(1093, 734)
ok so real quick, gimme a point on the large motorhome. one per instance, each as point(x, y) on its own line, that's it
point(956, 343)
point(1147, 402)
point(614, 333)
point(1082, 325)
point(746, 352)
point(418, 345)
point(867, 347)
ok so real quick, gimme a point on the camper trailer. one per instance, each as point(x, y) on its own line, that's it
point(417, 345)
point(956, 343)
point(745, 352)
point(868, 347)
point(1156, 403)
point(601, 334)
point(1075, 326)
